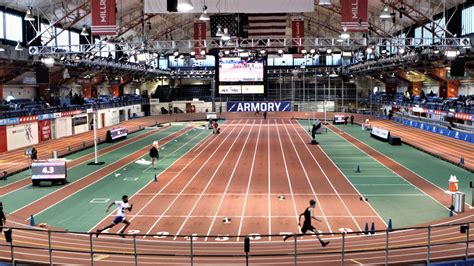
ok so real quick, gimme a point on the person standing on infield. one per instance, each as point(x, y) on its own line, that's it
point(154, 154)
point(265, 115)
point(122, 206)
point(3, 218)
point(308, 215)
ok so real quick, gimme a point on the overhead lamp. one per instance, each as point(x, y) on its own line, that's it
point(304, 51)
point(436, 50)
point(185, 5)
point(344, 35)
point(328, 51)
point(226, 52)
point(48, 61)
point(2, 49)
point(385, 14)
point(325, 3)
point(280, 51)
point(204, 16)
point(312, 51)
point(175, 53)
point(155, 55)
point(62, 58)
point(181, 56)
point(192, 53)
point(369, 50)
point(339, 40)
point(84, 31)
point(383, 51)
point(78, 57)
point(18, 46)
point(225, 36)
point(219, 32)
point(346, 54)
point(451, 53)
point(262, 52)
point(203, 52)
point(29, 16)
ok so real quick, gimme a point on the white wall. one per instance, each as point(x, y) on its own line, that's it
point(466, 88)
point(63, 127)
point(22, 135)
point(19, 92)
point(81, 128)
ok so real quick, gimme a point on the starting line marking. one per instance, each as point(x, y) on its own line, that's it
point(99, 200)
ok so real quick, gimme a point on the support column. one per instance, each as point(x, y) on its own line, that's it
point(453, 88)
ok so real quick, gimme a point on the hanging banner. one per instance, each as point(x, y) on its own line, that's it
point(103, 17)
point(354, 15)
point(44, 128)
point(199, 38)
point(297, 32)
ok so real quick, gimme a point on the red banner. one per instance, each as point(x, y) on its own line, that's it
point(103, 17)
point(44, 130)
point(199, 38)
point(297, 32)
point(354, 15)
point(3, 139)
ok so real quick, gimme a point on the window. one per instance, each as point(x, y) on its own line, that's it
point(63, 38)
point(46, 37)
point(75, 41)
point(427, 34)
point(2, 34)
point(14, 27)
point(467, 22)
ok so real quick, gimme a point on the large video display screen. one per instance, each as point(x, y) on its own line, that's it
point(236, 69)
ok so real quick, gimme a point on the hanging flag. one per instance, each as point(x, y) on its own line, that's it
point(267, 25)
point(199, 38)
point(354, 15)
point(297, 32)
point(103, 17)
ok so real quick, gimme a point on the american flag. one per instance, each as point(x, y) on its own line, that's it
point(267, 25)
point(229, 21)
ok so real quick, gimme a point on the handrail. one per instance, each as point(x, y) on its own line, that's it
point(345, 248)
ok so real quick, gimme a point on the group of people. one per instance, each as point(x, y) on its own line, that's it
point(257, 113)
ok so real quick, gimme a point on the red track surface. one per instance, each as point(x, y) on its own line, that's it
point(239, 174)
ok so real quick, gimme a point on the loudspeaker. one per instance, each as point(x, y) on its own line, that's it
point(42, 74)
point(457, 67)
point(172, 5)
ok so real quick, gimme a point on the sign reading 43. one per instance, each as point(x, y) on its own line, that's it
point(48, 170)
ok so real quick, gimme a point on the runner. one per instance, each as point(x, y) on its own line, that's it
point(122, 206)
point(154, 154)
point(308, 215)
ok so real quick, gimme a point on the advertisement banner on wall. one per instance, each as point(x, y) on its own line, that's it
point(199, 38)
point(22, 135)
point(284, 106)
point(103, 17)
point(3, 139)
point(354, 15)
point(44, 128)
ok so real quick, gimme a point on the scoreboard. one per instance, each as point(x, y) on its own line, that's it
point(48, 170)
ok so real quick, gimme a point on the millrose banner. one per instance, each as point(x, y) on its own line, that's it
point(103, 17)
point(354, 15)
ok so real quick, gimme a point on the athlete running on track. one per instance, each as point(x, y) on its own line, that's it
point(122, 206)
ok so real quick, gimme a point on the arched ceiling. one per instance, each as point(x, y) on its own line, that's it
point(323, 22)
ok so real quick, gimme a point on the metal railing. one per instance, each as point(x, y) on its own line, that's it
point(420, 244)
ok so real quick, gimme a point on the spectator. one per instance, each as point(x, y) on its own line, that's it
point(431, 94)
point(154, 154)
point(422, 94)
point(215, 126)
point(34, 154)
point(3, 218)
point(352, 119)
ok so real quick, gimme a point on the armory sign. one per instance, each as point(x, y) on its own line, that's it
point(259, 106)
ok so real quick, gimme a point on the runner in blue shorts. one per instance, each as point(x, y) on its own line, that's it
point(122, 206)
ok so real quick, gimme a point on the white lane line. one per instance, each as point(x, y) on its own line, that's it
point(322, 170)
point(248, 184)
point(289, 182)
point(101, 221)
point(335, 165)
point(189, 182)
point(307, 179)
point(269, 188)
point(228, 182)
point(215, 173)
point(391, 170)
point(79, 190)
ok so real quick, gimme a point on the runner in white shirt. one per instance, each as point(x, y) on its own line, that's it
point(122, 206)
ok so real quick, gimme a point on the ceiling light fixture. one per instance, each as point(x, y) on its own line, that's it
point(344, 35)
point(84, 31)
point(328, 51)
point(280, 51)
point(29, 16)
point(385, 14)
point(204, 16)
point(369, 50)
point(219, 32)
point(18, 46)
point(185, 5)
point(225, 36)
